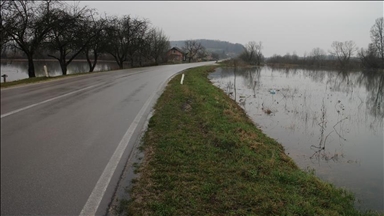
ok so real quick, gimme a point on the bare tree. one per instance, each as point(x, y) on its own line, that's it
point(117, 44)
point(317, 53)
point(124, 37)
point(287, 58)
point(343, 51)
point(139, 45)
point(259, 54)
point(192, 47)
point(202, 54)
point(316, 57)
point(294, 58)
point(26, 23)
point(252, 52)
point(97, 43)
point(158, 44)
point(377, 37)
point(68, 36)
point(215, 56)
point(5, 37)
point(370, 58)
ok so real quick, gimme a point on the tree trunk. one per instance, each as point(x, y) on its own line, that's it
point(31, 67)
point(121, 64)
point(132, 62)
point(119, 60)
point(95, 57)
point(88, 60)
point(63, 66)
point(382, 62)
point(93, 66)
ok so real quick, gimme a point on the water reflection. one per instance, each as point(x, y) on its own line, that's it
point(329, 121)
point(374, 82)
point(19, 69)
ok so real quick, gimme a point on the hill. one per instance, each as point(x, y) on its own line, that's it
point(215, 46)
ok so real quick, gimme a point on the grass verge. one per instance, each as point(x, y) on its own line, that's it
point(204, 156)
point(25, 81)
point(38, 79)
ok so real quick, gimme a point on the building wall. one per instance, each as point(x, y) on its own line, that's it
point(174, 56)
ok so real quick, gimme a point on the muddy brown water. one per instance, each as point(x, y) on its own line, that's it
point(328, 121)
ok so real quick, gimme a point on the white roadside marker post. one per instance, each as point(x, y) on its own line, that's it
point(46, 71)
point(182, 79)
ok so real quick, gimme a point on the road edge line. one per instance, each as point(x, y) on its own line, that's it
point(132, 154)
point(94, 199)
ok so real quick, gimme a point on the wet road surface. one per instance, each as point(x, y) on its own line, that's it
point(63, 141)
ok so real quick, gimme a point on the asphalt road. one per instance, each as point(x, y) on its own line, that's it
point(64, 143)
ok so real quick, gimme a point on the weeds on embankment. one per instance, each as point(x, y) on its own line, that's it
point(204, 156)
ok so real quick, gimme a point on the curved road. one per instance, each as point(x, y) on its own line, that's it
point(64, 143)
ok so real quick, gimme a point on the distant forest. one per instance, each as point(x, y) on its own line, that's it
point(215, 46)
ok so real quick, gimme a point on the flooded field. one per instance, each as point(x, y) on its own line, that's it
point(17, 70)
point(328, 121)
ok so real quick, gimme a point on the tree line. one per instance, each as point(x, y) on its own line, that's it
point(216, 48)
point(64, 31)
point(342, 54)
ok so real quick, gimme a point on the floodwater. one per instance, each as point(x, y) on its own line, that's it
point(328, 121)
point(16, 70)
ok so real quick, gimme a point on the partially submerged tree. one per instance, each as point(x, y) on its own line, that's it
point(373, 57)
point(370, 58)
point(316, 57)
point(252, 53)
point(377, 37)
point(343, 51)
point(192, 47)
point(26, 23)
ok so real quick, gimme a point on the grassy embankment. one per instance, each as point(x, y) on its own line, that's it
point(204, 156)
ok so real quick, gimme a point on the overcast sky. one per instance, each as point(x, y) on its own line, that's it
point(281, 26)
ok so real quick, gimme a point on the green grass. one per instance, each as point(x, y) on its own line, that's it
point(204, 156)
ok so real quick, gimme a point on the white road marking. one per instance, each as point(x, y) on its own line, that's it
point(93, 202)
point(98, 191)
point(46, 101)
